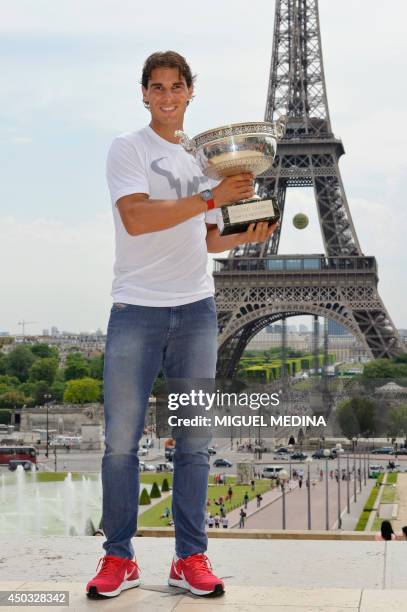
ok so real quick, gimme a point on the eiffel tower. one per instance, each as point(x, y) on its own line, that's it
point(254, 285)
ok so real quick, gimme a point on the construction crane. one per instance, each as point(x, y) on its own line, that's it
point(23, 323)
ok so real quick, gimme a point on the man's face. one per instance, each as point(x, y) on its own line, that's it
point(167, 94)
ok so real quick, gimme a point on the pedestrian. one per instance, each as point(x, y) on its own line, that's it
point(242, 515)
point(163, 318)
point(300, 482)
point(321, 475)
point(404, 532)
point(211, 520)
point(259, 500)
point(386, 532)
point(230, 493)
point(217, 520)
point(246, 500)
point(252, 484)
point(225, 522)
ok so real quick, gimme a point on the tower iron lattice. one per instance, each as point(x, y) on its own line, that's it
point(254, 285)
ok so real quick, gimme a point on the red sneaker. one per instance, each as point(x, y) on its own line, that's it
point(195, 574)
point(116, 575)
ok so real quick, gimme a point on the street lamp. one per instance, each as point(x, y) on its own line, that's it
point(326, 455)
point(47, 398)
point(354, 442)
point(283, 476)
point(347, 484)
point(364, 467)
point(339, 450)
point(308, 461)
point(360, 472)
point(290, 448)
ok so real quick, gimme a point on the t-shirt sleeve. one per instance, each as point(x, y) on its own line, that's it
point(125, 170)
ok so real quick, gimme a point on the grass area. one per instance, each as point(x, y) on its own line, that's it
point(388, 495)
point(368, 507)
point(392, 477)
point(151, 477)
point(152, 517)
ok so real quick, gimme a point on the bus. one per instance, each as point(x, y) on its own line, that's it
point(17, 453)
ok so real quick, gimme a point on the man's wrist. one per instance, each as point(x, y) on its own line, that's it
point(208, 197)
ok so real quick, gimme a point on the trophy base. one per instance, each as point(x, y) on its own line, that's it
point(236, 218)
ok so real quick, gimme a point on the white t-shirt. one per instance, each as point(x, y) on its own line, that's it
point(168, 267)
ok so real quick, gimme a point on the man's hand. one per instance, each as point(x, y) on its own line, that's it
point(257, 232)
point(233, 189)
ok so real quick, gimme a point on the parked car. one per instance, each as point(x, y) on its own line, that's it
point(375, 470)
point(282, 451)
point(146, 467)
point(282, 457)
point(165, 467)
point(211, 450)
point(401, 451)
point(272, 471)
point(384, 450)
point(319, 454)
point(222, 463)
point(298, 456)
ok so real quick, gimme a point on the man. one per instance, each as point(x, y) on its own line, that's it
point(163, 317)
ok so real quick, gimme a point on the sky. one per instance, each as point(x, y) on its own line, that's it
point(71, 81)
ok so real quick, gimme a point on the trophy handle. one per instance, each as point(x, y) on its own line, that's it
point(187, 142)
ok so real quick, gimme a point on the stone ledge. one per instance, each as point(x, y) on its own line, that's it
point(264, 534)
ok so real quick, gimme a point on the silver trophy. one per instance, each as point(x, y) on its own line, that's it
point(233, 149)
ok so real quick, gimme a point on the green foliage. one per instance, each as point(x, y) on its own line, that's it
point(5, 416)
point(385, 368)
point(45, 351)
point(401, 358)
point(57, 391)
point(44, 368)
point(155, 491)
point(96, 367)
point(357, 416)
point(76, 366)
point(12, 399)
point(9, 381)
point(82, 391)
point(144, 498)
point(165, 486)
point(41, 392)
point(398, 421)
point(19, 362)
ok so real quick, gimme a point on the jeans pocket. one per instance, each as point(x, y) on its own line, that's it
point(119, 307)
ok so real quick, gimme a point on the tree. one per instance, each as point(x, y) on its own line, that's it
point(82, 391)
point(44, 350)
point(398, 421)
point(76, 367)
point(96, 367)
point(19, 362)
point(384, 368)
point(42, 392)
point(57, 391)
point(44, 368)
point(165, 486)
point(144, 498)
point(357, 416)
point(155, 491)
point(12, 399)
point(401, 358)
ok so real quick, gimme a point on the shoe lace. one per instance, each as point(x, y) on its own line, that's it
point(200, 564)
point(109, 562)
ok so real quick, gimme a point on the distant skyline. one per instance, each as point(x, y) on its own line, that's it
point(71, 73)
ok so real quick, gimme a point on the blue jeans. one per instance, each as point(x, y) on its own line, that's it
point(142, 340)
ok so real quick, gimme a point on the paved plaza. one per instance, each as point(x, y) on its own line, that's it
point(269, 575)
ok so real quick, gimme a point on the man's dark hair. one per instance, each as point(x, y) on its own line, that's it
point(386, 530)
point(166, 59)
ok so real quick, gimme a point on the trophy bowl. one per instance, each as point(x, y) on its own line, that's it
point(234, 149)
